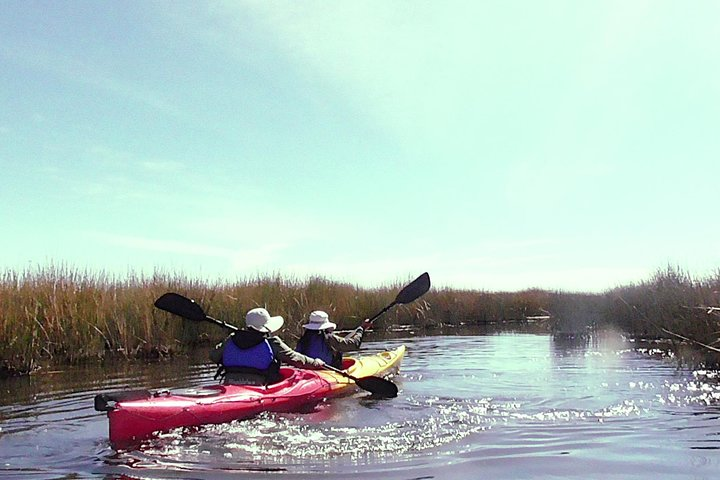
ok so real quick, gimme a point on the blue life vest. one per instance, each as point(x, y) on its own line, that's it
point(260, 356)
point(313, 345)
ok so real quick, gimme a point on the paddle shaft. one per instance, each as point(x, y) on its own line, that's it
point(221, 323)
point(411, 292)
point(381, 312)
point(341, 372)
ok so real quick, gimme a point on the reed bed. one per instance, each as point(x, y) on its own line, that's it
point(58, 314)
point(672, 306)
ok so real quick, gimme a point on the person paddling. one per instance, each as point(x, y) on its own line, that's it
point(253, 355)
point(320, 341)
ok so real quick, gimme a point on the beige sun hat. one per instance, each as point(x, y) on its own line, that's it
point(259, 319)
point(319, 320)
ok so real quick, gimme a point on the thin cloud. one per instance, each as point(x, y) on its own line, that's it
point(123, 174)
point(239, 258)
point(128, 160)
point(162, 245)
point(58, 63)
point(167, 166)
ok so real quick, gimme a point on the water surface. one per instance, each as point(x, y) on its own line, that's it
point(491, 406)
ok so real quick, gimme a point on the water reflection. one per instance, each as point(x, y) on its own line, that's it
point(504, 405)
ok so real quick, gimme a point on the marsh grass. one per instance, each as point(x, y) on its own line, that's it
point(669, 306)
point(57, 314)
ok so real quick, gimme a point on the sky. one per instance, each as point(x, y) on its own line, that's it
point(500, 146)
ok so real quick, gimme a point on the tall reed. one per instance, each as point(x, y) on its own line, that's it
point(58, 314)
point(671, 305)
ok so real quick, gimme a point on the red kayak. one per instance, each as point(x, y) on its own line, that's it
point(136, 415)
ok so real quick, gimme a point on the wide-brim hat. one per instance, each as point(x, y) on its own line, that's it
point(259, 319)
point(319, 320)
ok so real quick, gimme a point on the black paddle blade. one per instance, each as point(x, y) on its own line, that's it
point(414, 290)
point(181, 306)
point(378, 386)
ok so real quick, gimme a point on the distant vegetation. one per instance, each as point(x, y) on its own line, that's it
point(671, 306)
point(56, 315)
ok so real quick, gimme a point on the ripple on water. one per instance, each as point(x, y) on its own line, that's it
point(508, 406)
point(428, 424)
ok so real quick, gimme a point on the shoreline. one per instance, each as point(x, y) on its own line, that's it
point(60, 316)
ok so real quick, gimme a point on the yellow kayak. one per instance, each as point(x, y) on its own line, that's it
point(383, 364)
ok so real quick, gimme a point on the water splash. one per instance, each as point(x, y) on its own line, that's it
point(282, 438)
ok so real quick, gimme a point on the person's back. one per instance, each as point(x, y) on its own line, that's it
point(320, 341)
point(251, 356)
point(246, 357)
point(314, 343)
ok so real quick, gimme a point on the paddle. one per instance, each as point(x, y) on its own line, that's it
point(187, 308)
point(412, 291)
point(378, 386)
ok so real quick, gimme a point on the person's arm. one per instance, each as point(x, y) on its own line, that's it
point(287, 355)
point(350, 341)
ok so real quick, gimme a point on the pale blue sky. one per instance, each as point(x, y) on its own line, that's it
point(498, 145)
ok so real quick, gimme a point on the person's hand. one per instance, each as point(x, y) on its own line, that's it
point(366, 324)
point(320, 363)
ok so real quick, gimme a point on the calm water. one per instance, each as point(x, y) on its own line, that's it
point(493, 406)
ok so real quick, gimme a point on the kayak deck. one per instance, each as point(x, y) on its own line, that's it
point(135, 416)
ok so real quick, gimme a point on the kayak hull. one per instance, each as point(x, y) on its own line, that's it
point(134, 420)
